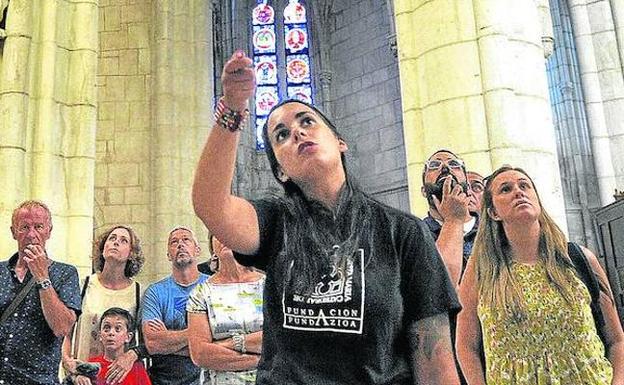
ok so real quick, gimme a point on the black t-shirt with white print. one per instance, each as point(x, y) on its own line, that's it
point(351, 328)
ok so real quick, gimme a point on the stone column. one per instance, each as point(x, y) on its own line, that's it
point(548, 35)
point(617, 7)
point(323, 25)
point(473, 80)
point(182, 115)
point(325, 79)
point(594, 103)
point(47, 120)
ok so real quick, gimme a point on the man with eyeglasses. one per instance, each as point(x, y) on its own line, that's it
point(477, 186)
point(32, 329)
point(452, 217)
point(164, 313)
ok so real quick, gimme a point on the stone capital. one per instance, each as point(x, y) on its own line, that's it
point(326, 77)
point(392, 42)
point(548, 43)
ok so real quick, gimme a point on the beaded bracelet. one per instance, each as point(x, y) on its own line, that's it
point(229, 119)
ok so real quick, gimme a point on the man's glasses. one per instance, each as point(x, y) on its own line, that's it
point(435, 164)
point(477, 186)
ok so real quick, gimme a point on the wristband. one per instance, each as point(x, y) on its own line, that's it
point(228, 118)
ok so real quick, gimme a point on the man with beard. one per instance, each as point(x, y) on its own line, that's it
point(452, 216)
point(164, 313)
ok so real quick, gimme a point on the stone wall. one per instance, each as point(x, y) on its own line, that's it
point(155, 88)
point(47, 120)
point(611, 77)
point(122, 177)
point(366, 97)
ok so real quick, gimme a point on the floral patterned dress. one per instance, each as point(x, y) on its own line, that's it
point(555, 344)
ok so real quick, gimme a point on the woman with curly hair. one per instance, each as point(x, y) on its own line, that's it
point(117, 258)
point(541, 308)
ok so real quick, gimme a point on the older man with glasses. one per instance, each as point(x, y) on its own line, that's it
point(477, 186)
point(39, 301)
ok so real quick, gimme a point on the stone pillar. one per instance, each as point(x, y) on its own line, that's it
point(325, 80)
point(473, 81)
point(548, 35)
point(182, 115)
point(617, 7)
point(323, 24)
point(594, 103)
point(47, 120)
point(123, 181)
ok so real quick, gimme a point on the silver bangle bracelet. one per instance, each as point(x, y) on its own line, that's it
point(239, 342)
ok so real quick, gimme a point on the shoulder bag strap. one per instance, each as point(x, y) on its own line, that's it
point(587, 275)
point(17, 300)
point(74, 343)
point(84, 288)
point(137, 300)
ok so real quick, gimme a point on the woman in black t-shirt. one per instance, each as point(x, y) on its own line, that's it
point(355, 290)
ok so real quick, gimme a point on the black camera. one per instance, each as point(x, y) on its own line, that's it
point(437, 189)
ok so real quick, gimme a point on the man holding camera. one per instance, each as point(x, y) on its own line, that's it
point(452, 216)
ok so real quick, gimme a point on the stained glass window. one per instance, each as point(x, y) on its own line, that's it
point(293, 80)
point(296, 48)
point(265, 63)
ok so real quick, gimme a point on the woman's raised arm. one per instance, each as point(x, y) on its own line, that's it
point(231, 219)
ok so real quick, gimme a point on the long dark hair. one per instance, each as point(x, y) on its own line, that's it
point(309, 246)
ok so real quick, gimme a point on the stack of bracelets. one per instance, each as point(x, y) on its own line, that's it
point(229, 119)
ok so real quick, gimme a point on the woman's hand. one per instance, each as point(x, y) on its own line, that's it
point(119, 369)
point(82, 380)
point(70, 364)
point(238, 80)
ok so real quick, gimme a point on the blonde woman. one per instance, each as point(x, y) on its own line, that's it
point(525, 302)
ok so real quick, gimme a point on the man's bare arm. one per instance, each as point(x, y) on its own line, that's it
point(160, 340)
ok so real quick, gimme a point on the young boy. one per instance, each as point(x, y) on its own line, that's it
point(115, 326)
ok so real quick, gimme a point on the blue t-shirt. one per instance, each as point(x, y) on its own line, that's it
point(165, 300)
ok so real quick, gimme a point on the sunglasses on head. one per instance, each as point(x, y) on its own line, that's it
point(435, 164)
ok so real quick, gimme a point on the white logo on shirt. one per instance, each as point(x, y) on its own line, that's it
point(336, 303)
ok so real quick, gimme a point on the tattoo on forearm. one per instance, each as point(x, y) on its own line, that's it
point(433, 334)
